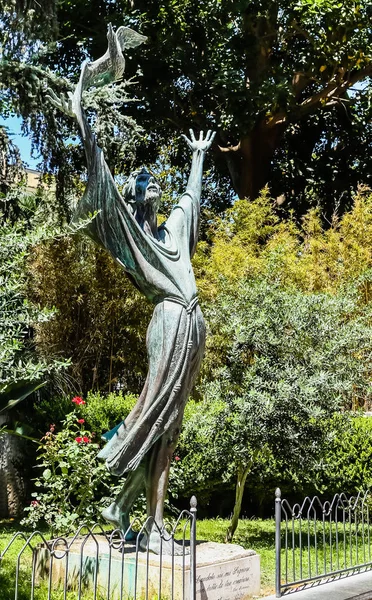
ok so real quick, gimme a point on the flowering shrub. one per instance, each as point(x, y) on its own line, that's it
point(73, 487)
point(77, 400)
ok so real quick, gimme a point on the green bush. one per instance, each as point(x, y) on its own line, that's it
point(103, 411)
point(347, 462)
point(291, 361)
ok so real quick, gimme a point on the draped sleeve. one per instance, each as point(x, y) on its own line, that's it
point(115, 228)
point(103, 198)
point(184, 220)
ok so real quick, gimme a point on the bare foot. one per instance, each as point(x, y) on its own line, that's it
point(119, 520)
point(168, 546)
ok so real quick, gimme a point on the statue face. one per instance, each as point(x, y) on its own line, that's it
point(147, 190)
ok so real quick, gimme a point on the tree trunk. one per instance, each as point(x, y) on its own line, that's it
point(249, 162)
point(11, 480)
point(239, 491)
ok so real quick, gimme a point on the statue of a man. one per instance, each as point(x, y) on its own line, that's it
point(158, 260)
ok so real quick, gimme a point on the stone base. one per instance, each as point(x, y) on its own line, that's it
point(223, 571)
point(226, 572)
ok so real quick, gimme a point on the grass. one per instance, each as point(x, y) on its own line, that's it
point(8, 529)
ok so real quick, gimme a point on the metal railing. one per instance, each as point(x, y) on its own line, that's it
point(95, 564)
point(317, 541)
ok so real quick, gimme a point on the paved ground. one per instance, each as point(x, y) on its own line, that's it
point(353, 587)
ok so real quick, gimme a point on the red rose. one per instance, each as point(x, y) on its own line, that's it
point(86, 439)
point(79, 440)
point(177, 458)
point(81, 421)
point(78, 400)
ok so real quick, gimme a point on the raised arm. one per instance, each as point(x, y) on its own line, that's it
point(108, 68)
point(199, 148)
point(185, 216)
point(71, 105)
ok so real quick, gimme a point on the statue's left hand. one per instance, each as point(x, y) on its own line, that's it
point(200, 144)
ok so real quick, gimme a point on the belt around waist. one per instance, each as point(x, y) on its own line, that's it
point(189, 306)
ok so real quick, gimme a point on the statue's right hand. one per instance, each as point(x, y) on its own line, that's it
point(63, 103)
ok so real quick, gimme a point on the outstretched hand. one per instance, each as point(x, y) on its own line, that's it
point(63, 103)
point(70, 104)
point(200, 144)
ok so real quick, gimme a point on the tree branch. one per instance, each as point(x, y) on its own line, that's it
point(332, 91)
point(230, 148)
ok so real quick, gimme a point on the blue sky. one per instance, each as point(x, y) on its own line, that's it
point(23, 142)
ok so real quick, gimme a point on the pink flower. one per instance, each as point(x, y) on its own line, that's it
point(177, 458)
point(52, 427)
point(78, 440)
point(81, 421)
point(34, 503)
point(78, 400)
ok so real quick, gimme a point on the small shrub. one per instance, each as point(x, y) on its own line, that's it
point(73, 487)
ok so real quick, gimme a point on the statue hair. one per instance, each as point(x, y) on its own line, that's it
point(129, 189)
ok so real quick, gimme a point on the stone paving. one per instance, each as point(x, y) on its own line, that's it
point(353, 587)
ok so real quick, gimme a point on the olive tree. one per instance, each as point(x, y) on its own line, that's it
point(292, 360)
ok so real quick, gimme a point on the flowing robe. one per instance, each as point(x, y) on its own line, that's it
point(161, 268)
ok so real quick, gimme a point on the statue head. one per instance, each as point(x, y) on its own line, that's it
point(142, 189)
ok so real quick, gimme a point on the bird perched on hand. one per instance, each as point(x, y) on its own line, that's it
point(111, 65)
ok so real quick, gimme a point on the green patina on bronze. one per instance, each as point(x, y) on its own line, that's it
point(158, 260)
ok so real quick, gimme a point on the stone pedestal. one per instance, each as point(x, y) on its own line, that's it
point(226, 572)
point(223, 571)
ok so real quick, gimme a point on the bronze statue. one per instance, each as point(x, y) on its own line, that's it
point(158, 260)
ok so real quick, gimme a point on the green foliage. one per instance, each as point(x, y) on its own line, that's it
point(277, 82)
point(262, 75)
point(16, 392)
point(73, 487)
point(289, 360)
point(18, 361)
point(101, 318)
point(289, 316)
point(30, 63)
point(253, 240)
point(346, 463)
point(103, 412)
point(100, 411)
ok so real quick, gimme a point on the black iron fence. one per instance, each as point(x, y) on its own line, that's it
point(317, 540)
point(95, 564)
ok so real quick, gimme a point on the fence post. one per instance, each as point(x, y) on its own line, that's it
point(278, 518)
point(193, 511)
